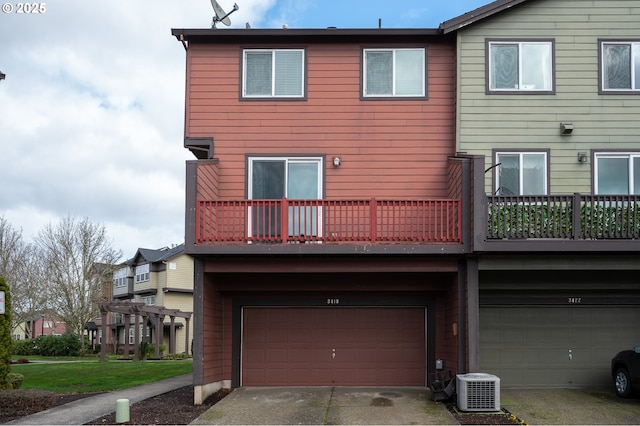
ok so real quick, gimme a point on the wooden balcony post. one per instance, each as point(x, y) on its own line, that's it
point(373, 220)
point(576, 232)
point(284, 220)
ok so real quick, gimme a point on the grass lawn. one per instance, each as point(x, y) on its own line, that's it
point(93, 376)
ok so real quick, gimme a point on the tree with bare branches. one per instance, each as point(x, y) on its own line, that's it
point(20, 267)
point(79, 258)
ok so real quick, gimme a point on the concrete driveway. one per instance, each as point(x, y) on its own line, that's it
point(393, 406)
point(327, 405)
point(570, 406)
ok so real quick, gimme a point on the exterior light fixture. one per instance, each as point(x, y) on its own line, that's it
point(582, 157)
point(566, 129)
point(336, 161)
point(2, 75)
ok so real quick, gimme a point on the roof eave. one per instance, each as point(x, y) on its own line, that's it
point(478, 14)
point(328, 35)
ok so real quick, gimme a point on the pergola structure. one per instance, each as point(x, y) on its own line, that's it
point(137, 310)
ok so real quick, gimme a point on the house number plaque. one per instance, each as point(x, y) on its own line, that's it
point(574, 300)
point(333, 301)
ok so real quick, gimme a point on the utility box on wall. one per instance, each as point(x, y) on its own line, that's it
point(478, 392)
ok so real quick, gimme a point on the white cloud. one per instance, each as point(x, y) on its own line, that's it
point(92, 115)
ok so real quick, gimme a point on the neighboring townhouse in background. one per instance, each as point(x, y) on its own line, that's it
point(162, 278)
point(342, 224)
point(549, 93)
point(40, 324)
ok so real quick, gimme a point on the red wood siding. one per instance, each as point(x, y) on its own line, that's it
point(389, 148)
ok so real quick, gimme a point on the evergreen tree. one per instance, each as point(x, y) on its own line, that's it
point(6, 344)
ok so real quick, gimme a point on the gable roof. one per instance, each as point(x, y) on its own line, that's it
point(144, 255)
point(478, 14)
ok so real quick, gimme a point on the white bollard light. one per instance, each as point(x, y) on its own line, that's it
point(122, 410)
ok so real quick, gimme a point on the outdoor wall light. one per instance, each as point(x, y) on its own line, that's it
point(336, 161)
point(566, 129)
point(582, 157)
point(2, 75)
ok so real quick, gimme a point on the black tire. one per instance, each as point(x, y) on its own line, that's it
point(622, 383)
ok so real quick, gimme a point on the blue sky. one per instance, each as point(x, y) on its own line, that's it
point(92, 108)
point(365, 13)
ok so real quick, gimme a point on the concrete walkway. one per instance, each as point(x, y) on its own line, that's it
point(88, 409)
point(327, 405)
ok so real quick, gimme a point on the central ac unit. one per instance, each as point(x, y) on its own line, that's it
point(478, 392)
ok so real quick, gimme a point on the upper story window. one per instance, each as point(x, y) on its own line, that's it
point(142, 273)
point(521, 173)
point(273, 73)
point(120, 277)
point(620, 66)
point(520, 66)
point(394, 72)
point(617, 173)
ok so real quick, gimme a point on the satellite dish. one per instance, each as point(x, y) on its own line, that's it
point(221, 16)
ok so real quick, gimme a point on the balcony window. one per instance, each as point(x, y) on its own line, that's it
point(520, 66)
point(617, 173)
point(521, 173)
point(394, 73)
point(620, 66)
point(273, 73)
point(274, 178)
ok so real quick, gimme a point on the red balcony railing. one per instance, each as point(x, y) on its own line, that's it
point(329, 221)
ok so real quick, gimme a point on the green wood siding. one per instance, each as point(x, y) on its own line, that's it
point(532, 121)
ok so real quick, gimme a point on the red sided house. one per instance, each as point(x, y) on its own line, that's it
point(325, 207)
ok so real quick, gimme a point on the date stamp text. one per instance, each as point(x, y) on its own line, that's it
point(24, 8)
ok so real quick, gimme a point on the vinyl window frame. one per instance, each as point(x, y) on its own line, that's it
point(394, 76)
point(521, 153)
point(634, 64)
point(519, 91)
point(274, 51)
point(629, 156)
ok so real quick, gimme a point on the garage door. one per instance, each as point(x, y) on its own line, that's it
point(555, 346)
point(333, 346)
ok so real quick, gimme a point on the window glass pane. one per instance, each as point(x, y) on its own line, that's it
point(288, 73)
point(409, 72)
point(268, 179)
point(303, 181)
point(509, 174)
point(504, 66)
point(617, 66)
point(636, 175)
point(533, 174)
point(536, 66)
point(636, 61)
point(258, 74)
point(379, 73)
point(613, 175)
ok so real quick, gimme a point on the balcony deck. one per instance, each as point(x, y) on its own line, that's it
point(333, 222)
point(579, 222)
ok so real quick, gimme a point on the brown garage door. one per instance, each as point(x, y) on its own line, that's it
point(333, 346)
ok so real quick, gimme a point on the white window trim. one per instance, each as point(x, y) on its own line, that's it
point(629, 156)
point(634, 83)
point(273, 74)
point(393, 77)
point(520, 87)
point(521, 169)
point(142, 273)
